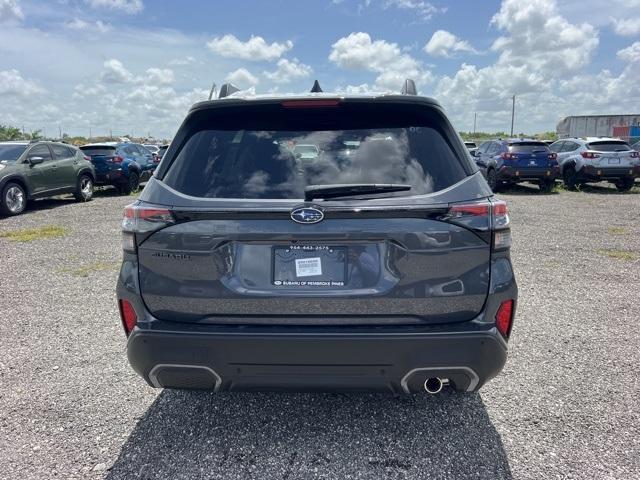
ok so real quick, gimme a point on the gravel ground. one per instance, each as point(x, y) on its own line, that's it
point(566, 406)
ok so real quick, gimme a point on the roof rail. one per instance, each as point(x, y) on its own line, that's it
point(409, 87)
point(227, 89)
point(213, 91)
point(316, 87)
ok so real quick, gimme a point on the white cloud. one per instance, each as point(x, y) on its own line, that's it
point(115, 72)
point(13, 84)
point(79, 24)
point(242, 78)
point(444, 44)
point(188, 60)
point(358, 52)
point(538, 37)
point(256, 48)
point(538, 50)
point(288, 71)
point(126, 6)
point(158, 76)
point(10, 10)
point(631, 53)
point(627, 27)
point(424, 10)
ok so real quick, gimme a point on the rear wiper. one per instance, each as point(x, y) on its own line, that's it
point(349, 189)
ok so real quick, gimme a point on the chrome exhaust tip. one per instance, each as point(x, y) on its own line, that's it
point(434, 385)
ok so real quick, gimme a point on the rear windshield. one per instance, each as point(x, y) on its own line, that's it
point(528, 147)
point(265, 163)
point(11, 153)
point(609, 146)
point(93, 151)
point(470, 144)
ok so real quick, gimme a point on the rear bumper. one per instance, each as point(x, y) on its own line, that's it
point(514, 174)
point(590, 172)
point(110, 177)
point(240, 359)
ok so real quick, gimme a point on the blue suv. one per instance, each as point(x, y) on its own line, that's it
point(506, 162)
point(123, 165)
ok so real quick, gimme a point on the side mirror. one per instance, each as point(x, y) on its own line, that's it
point(35, 160)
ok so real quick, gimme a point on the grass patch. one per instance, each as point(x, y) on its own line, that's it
point(31, 234)
point(619, 254)
point(617, 231)
point(86, 270)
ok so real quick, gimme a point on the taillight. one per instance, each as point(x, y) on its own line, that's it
point(589, 155)
point(117, 159)
point(484, 216)
point(504, 317)
point(141, 218)
point(635, 155)
point(128, 316)
point(87, 158)
point(508, 156)
point(553, 156)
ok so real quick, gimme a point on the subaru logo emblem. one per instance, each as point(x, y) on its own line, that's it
point(307, 215)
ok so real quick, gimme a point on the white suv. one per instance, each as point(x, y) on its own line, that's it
point(596, 159)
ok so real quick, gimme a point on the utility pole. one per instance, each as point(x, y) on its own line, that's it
point(59, 132)
point(90, 133)
point(513, 112)
point(475, 118)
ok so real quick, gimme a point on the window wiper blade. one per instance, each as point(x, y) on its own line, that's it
point(349, 189)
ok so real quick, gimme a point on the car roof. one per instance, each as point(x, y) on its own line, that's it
point(15, 142)
point(602, 139)
point(248, 97)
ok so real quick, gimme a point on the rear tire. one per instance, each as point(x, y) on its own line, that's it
point(570, 177)
point(625, 184)
point(546, 186)
point(131, 185)
point(492, 179)
point(14, 199)
point(84, 188)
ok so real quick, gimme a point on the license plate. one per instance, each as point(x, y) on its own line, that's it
point(309, 266)
point(614, 161)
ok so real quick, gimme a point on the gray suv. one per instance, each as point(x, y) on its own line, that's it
point(381, 264)
point(596, 159)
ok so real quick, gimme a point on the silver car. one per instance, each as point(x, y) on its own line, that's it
point(597, 159)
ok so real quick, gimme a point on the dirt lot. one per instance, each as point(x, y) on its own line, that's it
point(566, 405)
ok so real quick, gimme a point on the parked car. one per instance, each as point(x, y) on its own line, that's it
point(596, 159)
point(161, 151)
point(306, 151)
point(389, 269)
point(30, 171)
point(507, 162)
point(152, 148)
point(123, 165)
point(636, 146)
point(471, 146)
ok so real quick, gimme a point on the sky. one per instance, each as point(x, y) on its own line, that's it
point(136, 66)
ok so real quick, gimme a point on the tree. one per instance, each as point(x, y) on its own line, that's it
point(10, 133)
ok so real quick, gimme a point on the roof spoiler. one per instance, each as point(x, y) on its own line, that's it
point(409, 87)
point(227, 89)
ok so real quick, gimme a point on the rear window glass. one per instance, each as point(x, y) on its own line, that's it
point(470, 144)
point(528, 147)
point(11, 153)
point(249, 151)
point(92, 151)
point(609, 146)
point(259, 164)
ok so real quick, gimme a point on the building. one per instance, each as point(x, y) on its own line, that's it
point(600, 126)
